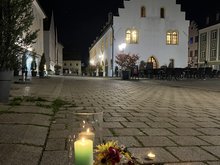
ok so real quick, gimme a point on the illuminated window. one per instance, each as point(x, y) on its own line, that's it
point(143, 11)
point(131, 36)
point(172, 38)
point(128, 36)
point(162, 13)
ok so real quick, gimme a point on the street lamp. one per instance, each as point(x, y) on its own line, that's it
point(122, 47)
point(92, 62)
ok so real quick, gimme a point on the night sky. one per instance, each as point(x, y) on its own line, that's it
point(79, 22)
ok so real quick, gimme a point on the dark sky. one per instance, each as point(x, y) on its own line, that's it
point(79, 22)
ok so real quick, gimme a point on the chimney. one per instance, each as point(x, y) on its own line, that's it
point(207, 20)
point(110, 17)
point(217, 16)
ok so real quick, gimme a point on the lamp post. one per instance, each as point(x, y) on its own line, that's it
point(122, 47)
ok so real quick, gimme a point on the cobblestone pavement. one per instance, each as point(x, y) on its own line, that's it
point(179, 121)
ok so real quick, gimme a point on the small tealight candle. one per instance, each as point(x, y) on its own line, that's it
point(83, 150)
point(151, 156)
point(87, 134)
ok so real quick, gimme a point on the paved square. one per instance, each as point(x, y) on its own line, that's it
point(177, 120)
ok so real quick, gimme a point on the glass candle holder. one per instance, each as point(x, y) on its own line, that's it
point(87, 126)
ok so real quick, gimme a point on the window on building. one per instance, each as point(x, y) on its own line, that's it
point(191, 40)
point(214, 34)
point(191, 53)
point(162, 13)
point(128, 36)
point(196, 53)
point(76, 64)
point(64, 64)
point(196, 39)
point(213, 55)
point(213, 45)
point(172, 38)
point(203, 37)
point(131, 36)
point(202, 55)
point(143, 11)
point(70, 64)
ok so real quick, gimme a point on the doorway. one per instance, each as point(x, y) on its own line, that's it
point(154, 61)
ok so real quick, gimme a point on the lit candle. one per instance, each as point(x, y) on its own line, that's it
point(150, 155)
point(83, 150)
point(87, 134)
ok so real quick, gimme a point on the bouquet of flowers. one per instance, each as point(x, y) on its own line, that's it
point(110, 153)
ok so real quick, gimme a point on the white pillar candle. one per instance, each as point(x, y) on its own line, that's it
point(87, 134)
point(83, 150)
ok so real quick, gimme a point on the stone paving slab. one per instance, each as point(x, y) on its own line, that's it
point(215, 150)
point(155, 141)
point(156, 131)
point(58, 126)
point(25, 134)
point(214, 140)
point(55, 144)
point(128, 141)
point(160, 125)
point(214, 163)
point(191, 163)
point(185, 131)
point(135, 124)
point(58, 134)
point(188, 141)
point(4, 107)
point(127, 131)
point(35, 119)
point(210, 131)
point(112, 125)
point(161, 155)
point(191, 154)
point(31, 109)
point(16, 154)
point(55, 158)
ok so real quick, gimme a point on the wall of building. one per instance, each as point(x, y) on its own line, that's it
point(38, 47)
point(72, 67)
point(193, 45)
point(50, 48)
point(60, 57)
point(101, 53)
point(211, 46)
point(151, 33)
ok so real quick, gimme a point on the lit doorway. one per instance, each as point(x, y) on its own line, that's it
point(153, 60)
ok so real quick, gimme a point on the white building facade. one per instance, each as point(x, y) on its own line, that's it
point(37, 48)
point(52, 48)
point(60, 57)
point(72, 67)
point(209, 46)
point(156, 30)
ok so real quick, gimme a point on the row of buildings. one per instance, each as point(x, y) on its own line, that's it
point(204, 43)
point(46, 42)
point(159, 33)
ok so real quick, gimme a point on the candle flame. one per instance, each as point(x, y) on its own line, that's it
point(151, 155)
point(88, 130)
point(83, 139)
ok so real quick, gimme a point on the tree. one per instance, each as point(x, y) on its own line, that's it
point(16, 18)
point(126, 61)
